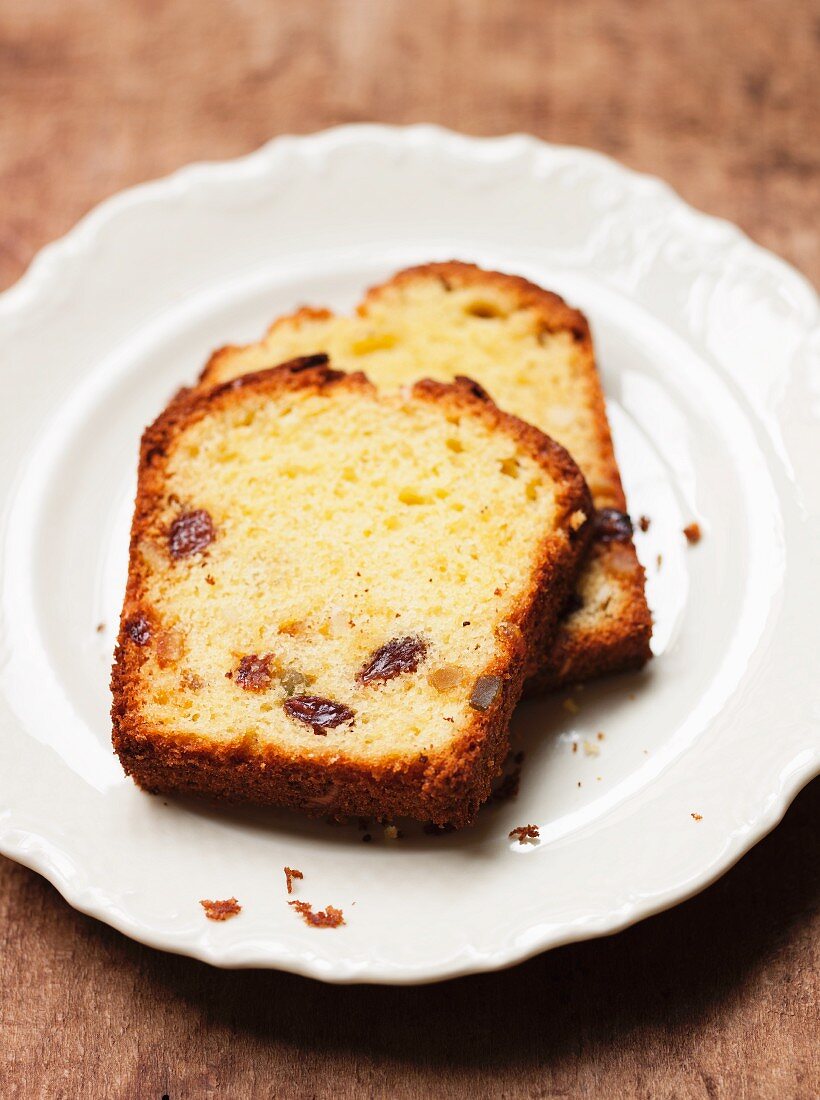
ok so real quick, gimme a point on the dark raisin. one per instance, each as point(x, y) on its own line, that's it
point(392, 659)
point(190, 533)
point(138, 630)
point(485, 692)
point(612, 526)
point(574, 603)
point(254, 673)
point(321, 714)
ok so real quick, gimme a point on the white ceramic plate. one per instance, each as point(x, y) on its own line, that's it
point(709, 352)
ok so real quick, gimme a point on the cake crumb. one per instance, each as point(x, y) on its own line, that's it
point(571, 706)
point(329, 917)
point(574, 746)
point(523, 833)
point(659, 561)
point(100, 627)
point(600, 735)
point(644, 523)
point(590, 748)
point(692, 532)
point(696, 817)
point(391, 832)
point(221, 910)
point(290, 874)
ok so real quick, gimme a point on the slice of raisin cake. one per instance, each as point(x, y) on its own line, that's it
point(332, 593)
point(534, 355)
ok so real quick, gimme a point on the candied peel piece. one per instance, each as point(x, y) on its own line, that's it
point(294, 681)
point(485, 692)
point(446, 678)
point(293, 627)
point(170, 647)
point(577, 520)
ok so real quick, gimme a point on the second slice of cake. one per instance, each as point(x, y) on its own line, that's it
point(332, 593)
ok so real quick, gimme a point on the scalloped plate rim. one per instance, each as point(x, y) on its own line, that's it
point(45, 856)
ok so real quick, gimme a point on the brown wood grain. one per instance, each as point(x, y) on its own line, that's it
point(718, 998)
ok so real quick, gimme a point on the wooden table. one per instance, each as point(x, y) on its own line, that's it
point(717, 998)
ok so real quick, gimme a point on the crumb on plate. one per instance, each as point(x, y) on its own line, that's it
point(329, 917)
point(290, 874)
point(221, 910)
point(523, 833)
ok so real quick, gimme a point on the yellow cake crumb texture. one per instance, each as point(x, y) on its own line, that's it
point(325, 530)
point(422, 328)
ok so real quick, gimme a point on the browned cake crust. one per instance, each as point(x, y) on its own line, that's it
point(445, 787)
point(584, 646)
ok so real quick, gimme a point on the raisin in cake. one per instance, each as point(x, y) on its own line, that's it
point(534, 355)
point(332, 592)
